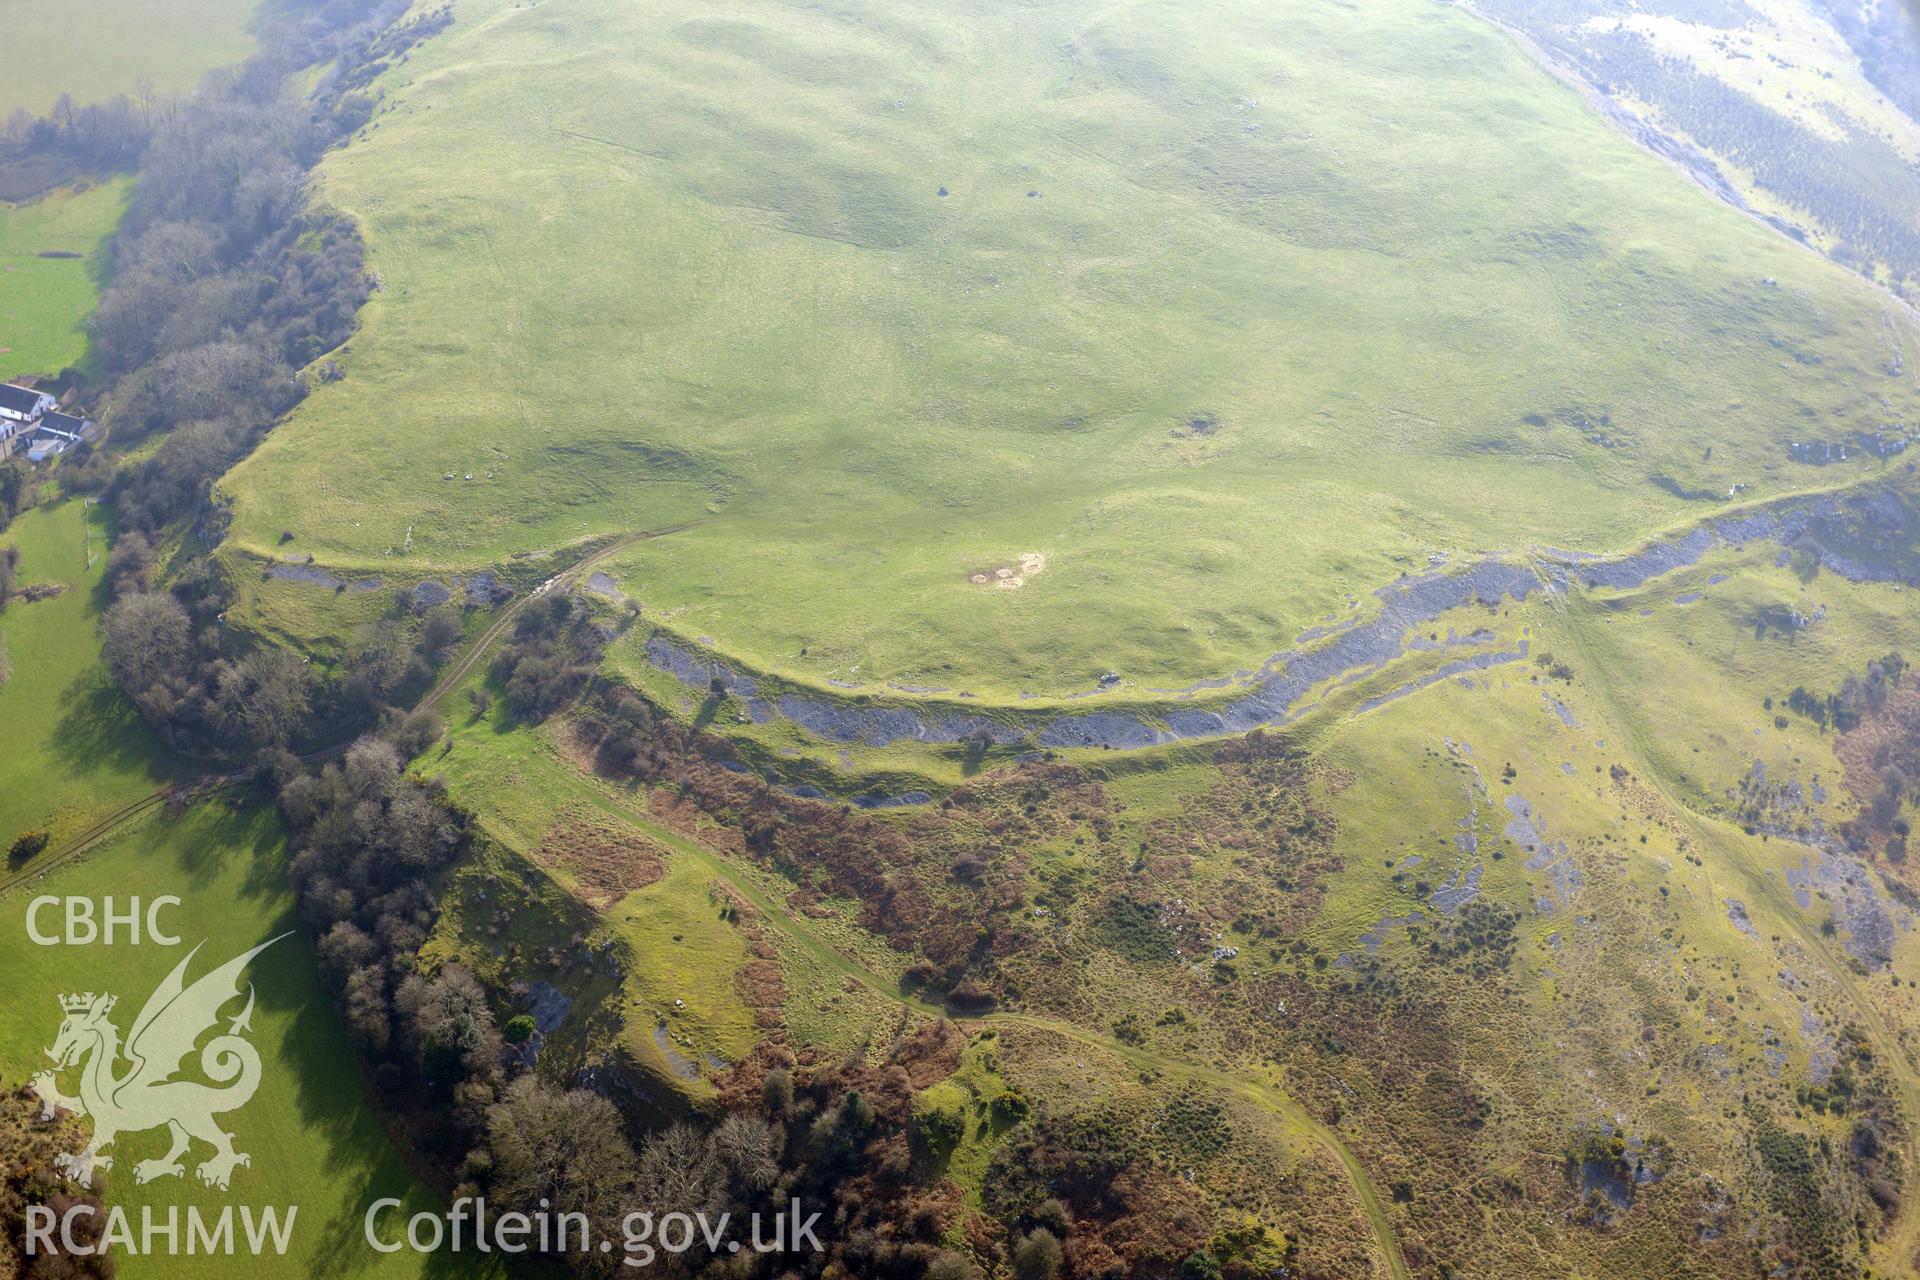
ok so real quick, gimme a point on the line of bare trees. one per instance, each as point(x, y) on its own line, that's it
point(106, 135)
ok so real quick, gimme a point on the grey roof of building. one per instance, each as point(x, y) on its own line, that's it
point(65, 422)
point(18, 399)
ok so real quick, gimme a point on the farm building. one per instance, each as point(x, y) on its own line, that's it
point(31, 420)
point(21, 409)
point(57, 433)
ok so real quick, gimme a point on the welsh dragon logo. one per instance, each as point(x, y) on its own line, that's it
point(145, 1094)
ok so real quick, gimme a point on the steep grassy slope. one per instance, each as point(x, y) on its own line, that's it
point(670, 1004)
point(1226, 316)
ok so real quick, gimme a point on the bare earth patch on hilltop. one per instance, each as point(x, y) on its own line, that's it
point(1010, 577)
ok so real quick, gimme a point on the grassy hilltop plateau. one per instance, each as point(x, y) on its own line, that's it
point(1103, 639)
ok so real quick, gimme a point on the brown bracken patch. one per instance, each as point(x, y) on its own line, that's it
point(761, 982)
point(684, 817)
point(609, 862)
point(930, 1052)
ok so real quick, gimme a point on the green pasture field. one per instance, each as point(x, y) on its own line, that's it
point(44, 301)
point(1231, 315)
point(94, 49)
point(75, 747)
point(311, 1129)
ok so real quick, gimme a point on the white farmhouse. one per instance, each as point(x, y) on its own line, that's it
point(21, 409)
